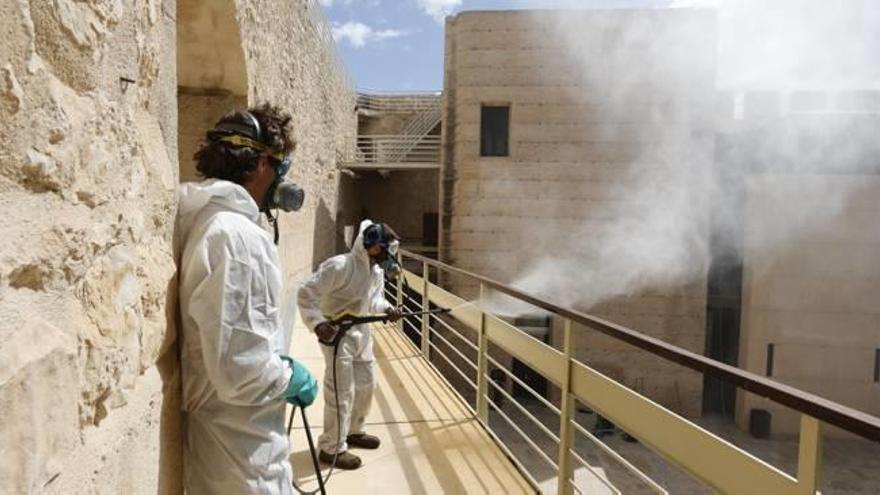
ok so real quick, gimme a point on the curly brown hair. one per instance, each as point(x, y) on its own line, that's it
point(221, 159)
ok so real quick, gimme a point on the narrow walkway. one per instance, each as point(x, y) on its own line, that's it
point(430, 442)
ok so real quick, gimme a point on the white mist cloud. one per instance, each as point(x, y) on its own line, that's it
point(654, 225)
point(684, 4)
point(358, 34)
point(438, 9)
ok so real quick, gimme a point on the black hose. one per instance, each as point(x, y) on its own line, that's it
point(322, 481)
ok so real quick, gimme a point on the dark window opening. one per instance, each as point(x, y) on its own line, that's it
point(430, 229)
point(876, 365)
point(494, 130)
point(770, 359)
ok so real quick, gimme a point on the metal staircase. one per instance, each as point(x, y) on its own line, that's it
point(413, 147)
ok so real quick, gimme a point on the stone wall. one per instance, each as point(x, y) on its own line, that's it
point(197, 113)
point(88, 170)
point(289, 64)
point(586, 129)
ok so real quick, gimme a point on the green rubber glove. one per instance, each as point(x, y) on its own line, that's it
point(303, 388)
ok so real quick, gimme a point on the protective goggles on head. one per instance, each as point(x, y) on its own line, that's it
point(282, 165)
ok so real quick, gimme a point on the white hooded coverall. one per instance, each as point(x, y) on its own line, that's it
point(231, 339)
point(347, 283)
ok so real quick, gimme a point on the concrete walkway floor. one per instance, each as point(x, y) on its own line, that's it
point(430, 441)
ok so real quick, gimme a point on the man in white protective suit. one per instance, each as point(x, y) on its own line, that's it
point(350, 284)
point(236, 376)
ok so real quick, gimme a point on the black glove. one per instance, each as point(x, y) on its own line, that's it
point(394, 314)
point(326, 331)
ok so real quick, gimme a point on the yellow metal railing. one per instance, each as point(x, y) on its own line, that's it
point(698, 452)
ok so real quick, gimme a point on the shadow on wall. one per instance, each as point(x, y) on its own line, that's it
point(325, 238)
point(170, 419)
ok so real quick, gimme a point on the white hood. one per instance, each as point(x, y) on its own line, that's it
point(357, 247)
point(347, 283)
point(211, 194)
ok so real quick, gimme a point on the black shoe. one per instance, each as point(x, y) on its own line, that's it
point(344, 460)
point(363, 441)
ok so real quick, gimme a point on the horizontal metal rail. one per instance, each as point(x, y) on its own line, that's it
point(531, 443)
point(464, 358)
point(454, 367)
point(525, 412)
point(454, 332)
point(398, 102)
point(716, 462)
point(857, 422)
point(522, 384)
point(604, 480)
point(619, 458)
point(397, 149)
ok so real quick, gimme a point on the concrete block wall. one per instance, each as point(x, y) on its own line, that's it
point(400, 198)
point(575, 146)
point(814, 295)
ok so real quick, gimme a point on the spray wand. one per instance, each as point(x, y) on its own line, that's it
point(344, 323)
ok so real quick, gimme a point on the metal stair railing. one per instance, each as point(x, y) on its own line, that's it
point(384, 149)
point(396, 101)
point(416, 130)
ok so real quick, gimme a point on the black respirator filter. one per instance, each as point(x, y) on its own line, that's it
point(287, 196)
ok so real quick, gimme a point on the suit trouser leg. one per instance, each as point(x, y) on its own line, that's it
point(337, 420)
point(364, 385)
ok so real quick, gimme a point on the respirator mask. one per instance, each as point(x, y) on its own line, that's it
point(387, 259)
point(284, 194)
point(390, 264)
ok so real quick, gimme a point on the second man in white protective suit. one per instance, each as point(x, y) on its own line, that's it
point(349, 284)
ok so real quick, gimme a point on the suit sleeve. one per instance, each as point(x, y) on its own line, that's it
point(236, 326)
point(378, 303)
point(329, 277)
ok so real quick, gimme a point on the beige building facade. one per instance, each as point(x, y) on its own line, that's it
point(576, 134)
point(780, 273)
point(810, 289)
point(103, 105)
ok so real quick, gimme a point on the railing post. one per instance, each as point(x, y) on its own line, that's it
point(400, 324)
point(482, 385)
point(566, 413)
point(809, 455)
point(426, 318)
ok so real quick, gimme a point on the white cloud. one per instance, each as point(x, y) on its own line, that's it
point(438, 9)
point(358, 34)
point(679, 4)
point(330, 3)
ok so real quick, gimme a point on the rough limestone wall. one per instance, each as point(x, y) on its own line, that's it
point(87, 176)
point(290, 62)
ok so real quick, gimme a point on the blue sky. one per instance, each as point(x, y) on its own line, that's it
point(398, 44)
